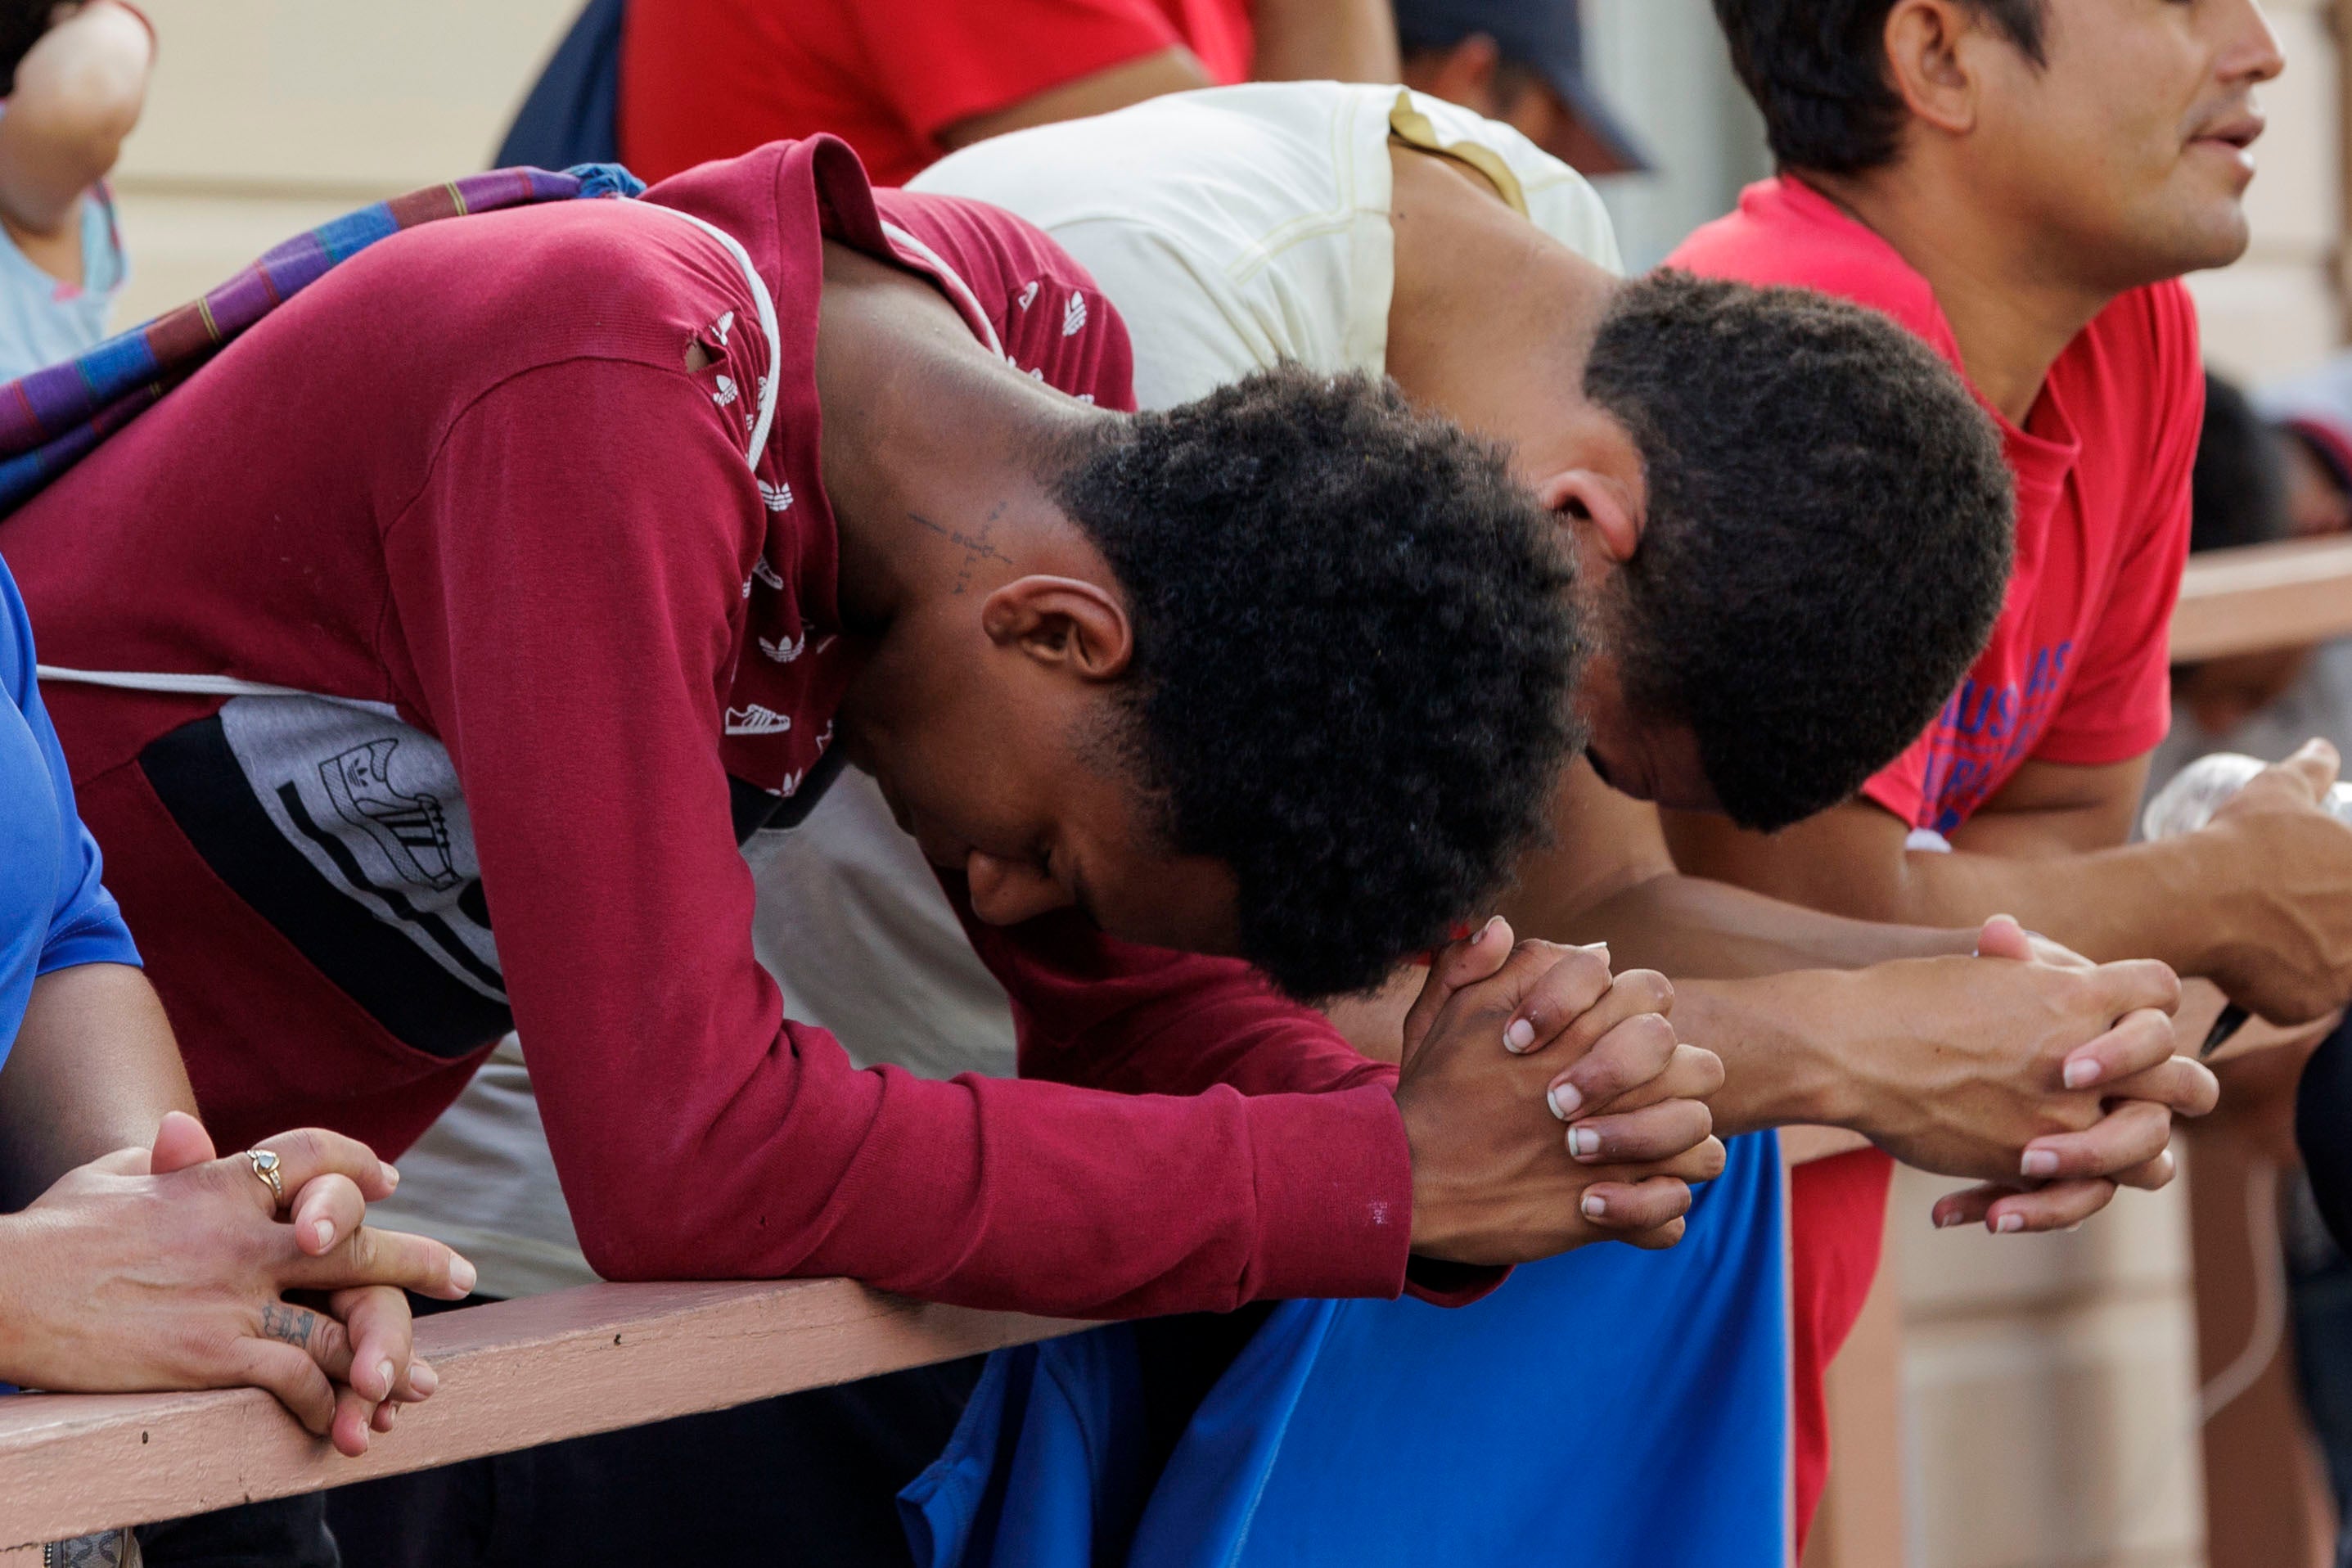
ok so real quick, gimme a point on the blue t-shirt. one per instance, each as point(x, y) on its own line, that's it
point(55, 912)
point(1611, 1408)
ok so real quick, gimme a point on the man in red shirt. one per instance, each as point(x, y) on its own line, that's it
point(2020, 182)
point(905, 82)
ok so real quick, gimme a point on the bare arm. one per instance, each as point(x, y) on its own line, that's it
point(1319, 40)
point(1609, 876)
point(2259, 900)
point(93, 1070)
point(78, 93)
point(1130, 81)
point(1950, 1062)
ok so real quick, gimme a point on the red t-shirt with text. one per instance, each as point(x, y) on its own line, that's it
point(2077, 671)
point(713, 78)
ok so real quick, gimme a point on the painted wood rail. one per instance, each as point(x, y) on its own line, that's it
point(2263, 596)
point(513, 1376)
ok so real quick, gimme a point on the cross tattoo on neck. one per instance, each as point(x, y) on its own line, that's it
point(976, 549)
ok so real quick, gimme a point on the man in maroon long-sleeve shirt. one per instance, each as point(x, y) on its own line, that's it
point(536, 577)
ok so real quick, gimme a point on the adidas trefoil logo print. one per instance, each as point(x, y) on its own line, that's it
point(777, 497)
point(1073, 314)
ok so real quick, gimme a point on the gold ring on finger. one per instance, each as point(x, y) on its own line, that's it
point(265, 1169)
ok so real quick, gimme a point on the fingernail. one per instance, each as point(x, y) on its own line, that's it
point(384, 1375)
point(2008, 1223)
point(422, 1379)
point(1945, 1219)
point(1583, 1143)
point(1518, 1037)
point(2082, 1072)
point(1488, 929)
point(1594, 1206)
point(461, 1276)
point(1600, 947)
point(2039, 1162)
point(390, 1175)
point(325, 1232)
point(1564, 1100)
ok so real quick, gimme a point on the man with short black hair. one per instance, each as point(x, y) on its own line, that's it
point(1781, 523)
point(1737, 470)
point(2022, 181)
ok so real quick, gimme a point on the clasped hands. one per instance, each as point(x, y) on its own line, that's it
point(1548, 1104)
point(169, 1268)
point(2050, 1079)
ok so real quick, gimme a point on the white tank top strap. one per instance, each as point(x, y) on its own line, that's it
point(950, 278)
point(196, 686)
point(185, 685)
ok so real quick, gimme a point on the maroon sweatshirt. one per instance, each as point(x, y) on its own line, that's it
point(552, 633)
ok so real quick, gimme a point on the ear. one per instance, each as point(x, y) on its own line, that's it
point(1600, 511)
point(1064, 622)
point(1930, 48)
point(1464, 74)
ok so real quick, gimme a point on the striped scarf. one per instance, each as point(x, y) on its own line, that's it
point(51, 419)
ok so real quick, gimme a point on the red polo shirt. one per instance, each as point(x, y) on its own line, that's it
point(2076, 670)
point(710, 79)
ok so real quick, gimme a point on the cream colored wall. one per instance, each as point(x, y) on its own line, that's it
point(269, 116)
point(2050, 1390)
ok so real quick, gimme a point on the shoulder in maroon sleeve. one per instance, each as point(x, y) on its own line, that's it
point(1052, 319)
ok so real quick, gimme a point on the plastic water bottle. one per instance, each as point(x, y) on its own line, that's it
point(2188, 800)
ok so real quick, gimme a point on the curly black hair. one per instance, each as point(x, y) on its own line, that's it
point(22, 22)
point(1828, 537)
point(1355, 647)
point(1818, 70)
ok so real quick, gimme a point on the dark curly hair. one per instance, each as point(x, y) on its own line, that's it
point(1828, 533)
point(1355, 646)
point(1818, 70)
point(22, 22)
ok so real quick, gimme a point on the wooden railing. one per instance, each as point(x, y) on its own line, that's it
point(525, 1373)
point(513, 1376)
point(2270, 595)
